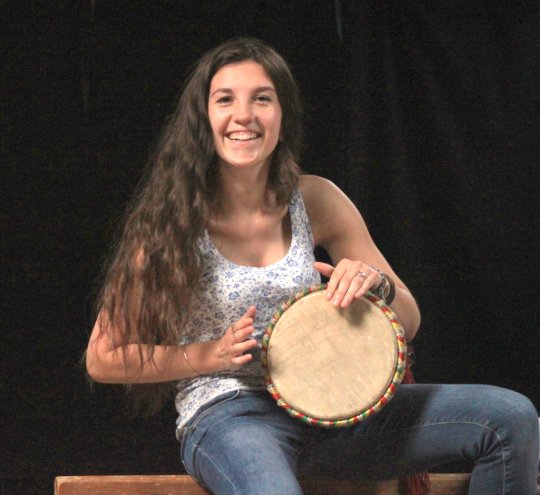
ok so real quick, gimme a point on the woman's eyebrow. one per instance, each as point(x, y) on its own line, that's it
point(255, 90)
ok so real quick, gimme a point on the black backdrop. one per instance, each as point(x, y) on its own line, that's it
point(425, 113)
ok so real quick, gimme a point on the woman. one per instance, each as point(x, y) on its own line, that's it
point(222, 232)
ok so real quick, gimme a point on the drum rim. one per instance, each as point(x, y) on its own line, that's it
point(367, 412)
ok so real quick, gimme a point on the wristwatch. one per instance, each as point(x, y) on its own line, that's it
point(386, 290)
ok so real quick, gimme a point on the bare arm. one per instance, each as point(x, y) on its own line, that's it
point(108, 360)
point(339, 227)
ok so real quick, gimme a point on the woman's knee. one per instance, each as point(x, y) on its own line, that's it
point(513, 416)
point(512, 408)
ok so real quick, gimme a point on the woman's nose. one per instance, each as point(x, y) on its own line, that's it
point(243, 112)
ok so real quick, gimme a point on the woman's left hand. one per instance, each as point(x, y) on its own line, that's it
point(348, 280)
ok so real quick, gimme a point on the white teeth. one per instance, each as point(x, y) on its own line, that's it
point(242, 136)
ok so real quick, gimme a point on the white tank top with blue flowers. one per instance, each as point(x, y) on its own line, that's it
point(226, 291)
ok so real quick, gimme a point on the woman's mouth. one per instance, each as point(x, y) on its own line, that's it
point(242, 136)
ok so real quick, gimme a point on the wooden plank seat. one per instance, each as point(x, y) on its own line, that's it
point(441, 484)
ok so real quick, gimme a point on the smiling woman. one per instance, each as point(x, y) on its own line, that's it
point(245, 115)
point(221, 233)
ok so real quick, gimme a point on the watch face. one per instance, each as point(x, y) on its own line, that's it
point(385, 287)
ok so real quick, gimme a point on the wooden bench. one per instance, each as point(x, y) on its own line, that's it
point(441, 484)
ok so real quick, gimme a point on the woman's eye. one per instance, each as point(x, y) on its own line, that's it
point(263, 98)
point(224, 99)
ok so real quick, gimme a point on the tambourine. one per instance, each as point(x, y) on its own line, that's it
point(329, 366)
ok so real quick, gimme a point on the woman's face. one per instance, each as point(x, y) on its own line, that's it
point(245, 115)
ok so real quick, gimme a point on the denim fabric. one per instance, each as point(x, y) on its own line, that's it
point(242, 443)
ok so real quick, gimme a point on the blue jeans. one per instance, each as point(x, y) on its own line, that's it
point(242, 443)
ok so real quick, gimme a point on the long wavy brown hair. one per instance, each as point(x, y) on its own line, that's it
point(156, 264)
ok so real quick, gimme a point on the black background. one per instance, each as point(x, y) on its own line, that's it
point(425, 113)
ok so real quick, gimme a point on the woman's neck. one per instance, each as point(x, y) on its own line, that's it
point(244, 191)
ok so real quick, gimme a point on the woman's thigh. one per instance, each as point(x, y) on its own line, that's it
point(244, 445)
point(247, 445)
point(427, 425)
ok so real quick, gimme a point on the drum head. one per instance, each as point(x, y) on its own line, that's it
point(333, 366)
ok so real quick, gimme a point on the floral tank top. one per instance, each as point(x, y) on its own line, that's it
point(226, 291)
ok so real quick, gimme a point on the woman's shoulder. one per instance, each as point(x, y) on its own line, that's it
point(331, 213)
point(309, 181)
point(317, 191)
point(314, 184)
point(320, 197)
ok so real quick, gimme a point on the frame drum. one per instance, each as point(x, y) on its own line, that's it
point(329, 366)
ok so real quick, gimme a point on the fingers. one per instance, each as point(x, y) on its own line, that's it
point(240, 348)
point(350, 280)
point(242, 334)
point(242, 328)
point(324, 268)
point(239, 342)
point(241, 360)
point(250, 312)
point(238, 351)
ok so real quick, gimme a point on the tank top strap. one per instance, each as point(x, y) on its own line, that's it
point(299, 219)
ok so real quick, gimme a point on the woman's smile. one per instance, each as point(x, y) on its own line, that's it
point(244, 114)
point(243, 136)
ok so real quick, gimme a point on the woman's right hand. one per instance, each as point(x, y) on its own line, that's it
point(233, 346)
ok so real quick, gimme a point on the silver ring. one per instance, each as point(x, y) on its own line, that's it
point(361, 274)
